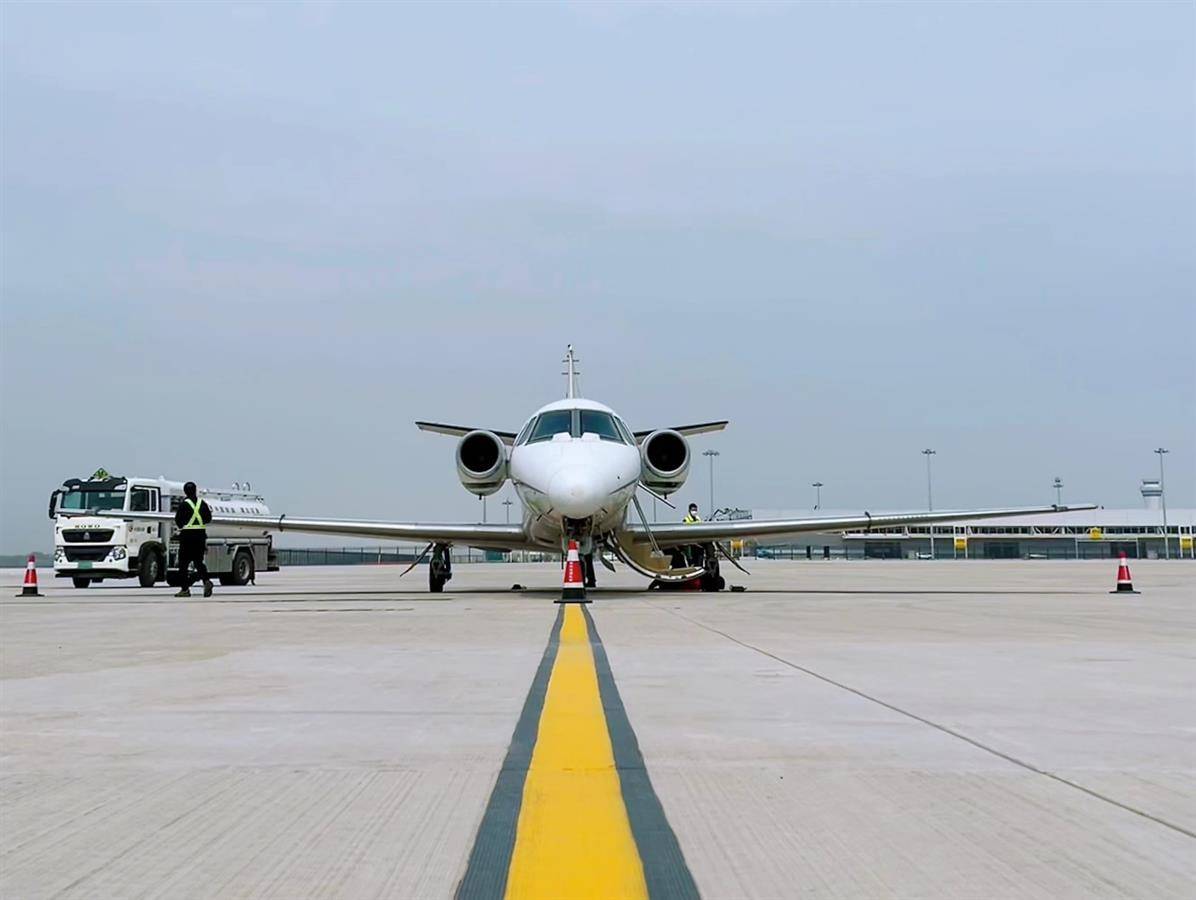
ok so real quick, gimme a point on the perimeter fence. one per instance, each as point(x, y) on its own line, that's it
point(394, 554)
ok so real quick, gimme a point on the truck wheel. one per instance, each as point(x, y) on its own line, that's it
point(242, 572)
point(149, 568)
point(81, 582)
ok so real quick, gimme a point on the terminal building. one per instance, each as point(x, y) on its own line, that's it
point(1085, 534)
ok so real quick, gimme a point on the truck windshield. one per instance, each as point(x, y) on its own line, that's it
point(92, 500)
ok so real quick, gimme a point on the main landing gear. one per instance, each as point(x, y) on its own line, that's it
point(704, 555)
point(440, 569)
point(710, 580)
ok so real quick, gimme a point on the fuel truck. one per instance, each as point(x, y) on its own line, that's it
point(91, 548)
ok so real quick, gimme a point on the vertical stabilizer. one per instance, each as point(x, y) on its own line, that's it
point(570, 372)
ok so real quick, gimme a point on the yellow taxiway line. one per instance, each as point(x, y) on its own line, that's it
point(573, 813)
point(574, 837)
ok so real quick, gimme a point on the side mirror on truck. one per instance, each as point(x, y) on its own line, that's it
point(54, 503)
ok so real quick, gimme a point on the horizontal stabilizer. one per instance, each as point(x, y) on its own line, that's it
point(700, 428)
point(507, 437)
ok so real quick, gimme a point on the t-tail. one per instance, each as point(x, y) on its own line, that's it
point(570, 372)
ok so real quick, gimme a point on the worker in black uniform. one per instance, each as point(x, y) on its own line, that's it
point(192, 518)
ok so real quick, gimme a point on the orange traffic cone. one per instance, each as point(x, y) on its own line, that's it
point(574, 588)
point(1124, 584)
point(29, 589)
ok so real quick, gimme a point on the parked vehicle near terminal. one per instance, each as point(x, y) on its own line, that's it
point(92, 548)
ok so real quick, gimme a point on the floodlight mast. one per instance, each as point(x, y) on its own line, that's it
point(929, 497)
point(1163, 499)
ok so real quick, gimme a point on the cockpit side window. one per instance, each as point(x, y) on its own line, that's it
point(557, 421)
point(625, 431)
point(521, 438)
point(595, 421)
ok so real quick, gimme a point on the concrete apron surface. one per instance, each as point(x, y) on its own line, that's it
point(869, 729)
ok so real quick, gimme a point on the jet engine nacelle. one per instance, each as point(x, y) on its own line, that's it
point(482, 462)
point(665, 458)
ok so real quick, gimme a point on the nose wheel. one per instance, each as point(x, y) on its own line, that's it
point(440, 568)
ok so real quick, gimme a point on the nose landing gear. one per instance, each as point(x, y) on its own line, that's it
point(579, 530)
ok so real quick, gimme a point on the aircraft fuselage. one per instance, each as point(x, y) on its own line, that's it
point(575, 465)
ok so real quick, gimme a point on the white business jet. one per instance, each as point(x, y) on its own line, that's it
point(577, 468)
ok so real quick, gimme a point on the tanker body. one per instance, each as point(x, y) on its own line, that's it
point(90, 547)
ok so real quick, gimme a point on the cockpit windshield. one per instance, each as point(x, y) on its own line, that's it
point(558, 421)
point(575, 422)
point(85, 499)
point(594, 421)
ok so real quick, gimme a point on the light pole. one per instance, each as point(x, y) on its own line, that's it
point(1058, 486)
point(929, 498)
point(507, 504)
point(1163, 497)
point(817, 486)
point(711, 454)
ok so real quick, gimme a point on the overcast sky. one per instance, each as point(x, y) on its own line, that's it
point(256, 241)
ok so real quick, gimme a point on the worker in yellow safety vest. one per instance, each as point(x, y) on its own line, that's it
point(192, 518)
point(694, 553)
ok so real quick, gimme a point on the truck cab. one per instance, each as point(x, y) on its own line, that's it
point(90, 547)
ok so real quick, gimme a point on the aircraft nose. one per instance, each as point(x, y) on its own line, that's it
point(575, 493)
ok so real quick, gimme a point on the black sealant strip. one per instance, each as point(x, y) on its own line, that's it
point(490, 859)
point(979, 745)
point(665, 869)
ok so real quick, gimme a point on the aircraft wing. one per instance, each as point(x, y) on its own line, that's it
point(675, 534)
point(699, 428)
point(498, 537)
point(507, 437)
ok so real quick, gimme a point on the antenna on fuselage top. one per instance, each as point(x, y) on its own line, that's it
point(571, 372)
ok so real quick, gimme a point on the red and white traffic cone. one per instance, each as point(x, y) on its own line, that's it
point(29, 589)
point(574, 588)
point(1124, 584)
